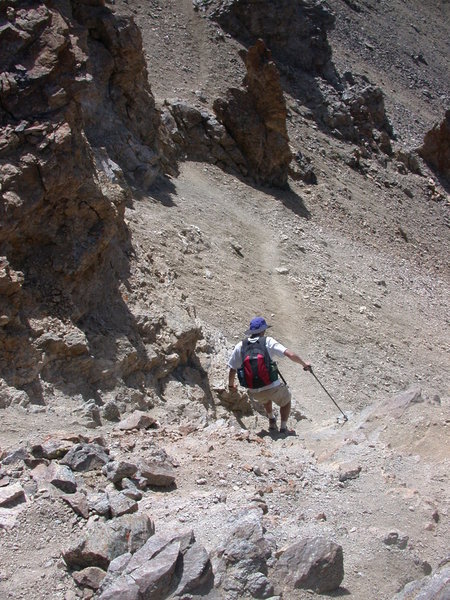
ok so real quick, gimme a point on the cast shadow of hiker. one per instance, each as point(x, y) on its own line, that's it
point(276, 435)
point(341, 591)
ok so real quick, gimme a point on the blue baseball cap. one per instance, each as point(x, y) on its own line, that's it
point(257, 325)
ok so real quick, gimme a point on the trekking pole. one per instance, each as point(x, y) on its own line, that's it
point(309, 368)
point(282, 378)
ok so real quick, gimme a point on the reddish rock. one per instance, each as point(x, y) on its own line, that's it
point(436, 147)
point(91, 577)
point(11, 494)
point(77, 118)
point(157, 474)
point(255, 117)
point(312, 563)
point(137, 420)
point(78, 503)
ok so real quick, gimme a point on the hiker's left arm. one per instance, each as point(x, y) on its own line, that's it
point(296, 358)
point(231, 377)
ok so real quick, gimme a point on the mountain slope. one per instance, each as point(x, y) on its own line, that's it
point(352, 273)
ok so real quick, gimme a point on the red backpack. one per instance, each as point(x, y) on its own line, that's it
point(258, 369)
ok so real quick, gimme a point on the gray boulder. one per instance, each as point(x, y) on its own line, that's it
point(105, 542)
point(312, 563)
point(115, 471)
point(433, 587)
point(166, 565)
point(86, 457)
point(242, 568)
point(155, 473)
point(120, 504)
point(60, 476)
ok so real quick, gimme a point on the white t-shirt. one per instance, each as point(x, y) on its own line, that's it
point(275, 349)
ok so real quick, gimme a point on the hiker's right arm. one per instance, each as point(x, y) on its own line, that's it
point(296, 358)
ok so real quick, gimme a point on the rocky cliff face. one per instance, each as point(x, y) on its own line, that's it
point(78, 126)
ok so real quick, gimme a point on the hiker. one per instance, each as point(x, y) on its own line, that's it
point(252, 361)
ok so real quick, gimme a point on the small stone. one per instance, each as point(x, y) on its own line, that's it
point(11, 494)
point(137, 420)
point(91, 577)
point(78, 503)
point(393, 538)
point(115, 471)
point(120, 504)
point(349, 471)
point(129, 489)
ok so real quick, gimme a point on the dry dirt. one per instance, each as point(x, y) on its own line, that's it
point(353, 275)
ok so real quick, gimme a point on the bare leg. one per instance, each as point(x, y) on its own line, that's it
point(268, 407)
point(285, 411)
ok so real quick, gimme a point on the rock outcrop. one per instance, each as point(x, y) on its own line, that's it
point(247, 135)
point(348, 106)
point(302, 44)
point(78, 126)
point(436, 147)
point(255, 117)
point(196, 134)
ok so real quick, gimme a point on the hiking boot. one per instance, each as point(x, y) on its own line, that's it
point(286, 431)
point(273, 424)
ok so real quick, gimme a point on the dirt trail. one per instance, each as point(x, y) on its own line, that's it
point(198, 34)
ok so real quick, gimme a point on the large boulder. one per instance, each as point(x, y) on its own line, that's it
point(105, 542)
point(312, 563)
point(242, 567)
point(168, 564)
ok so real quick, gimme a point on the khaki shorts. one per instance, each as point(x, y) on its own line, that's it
point(280, 394)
